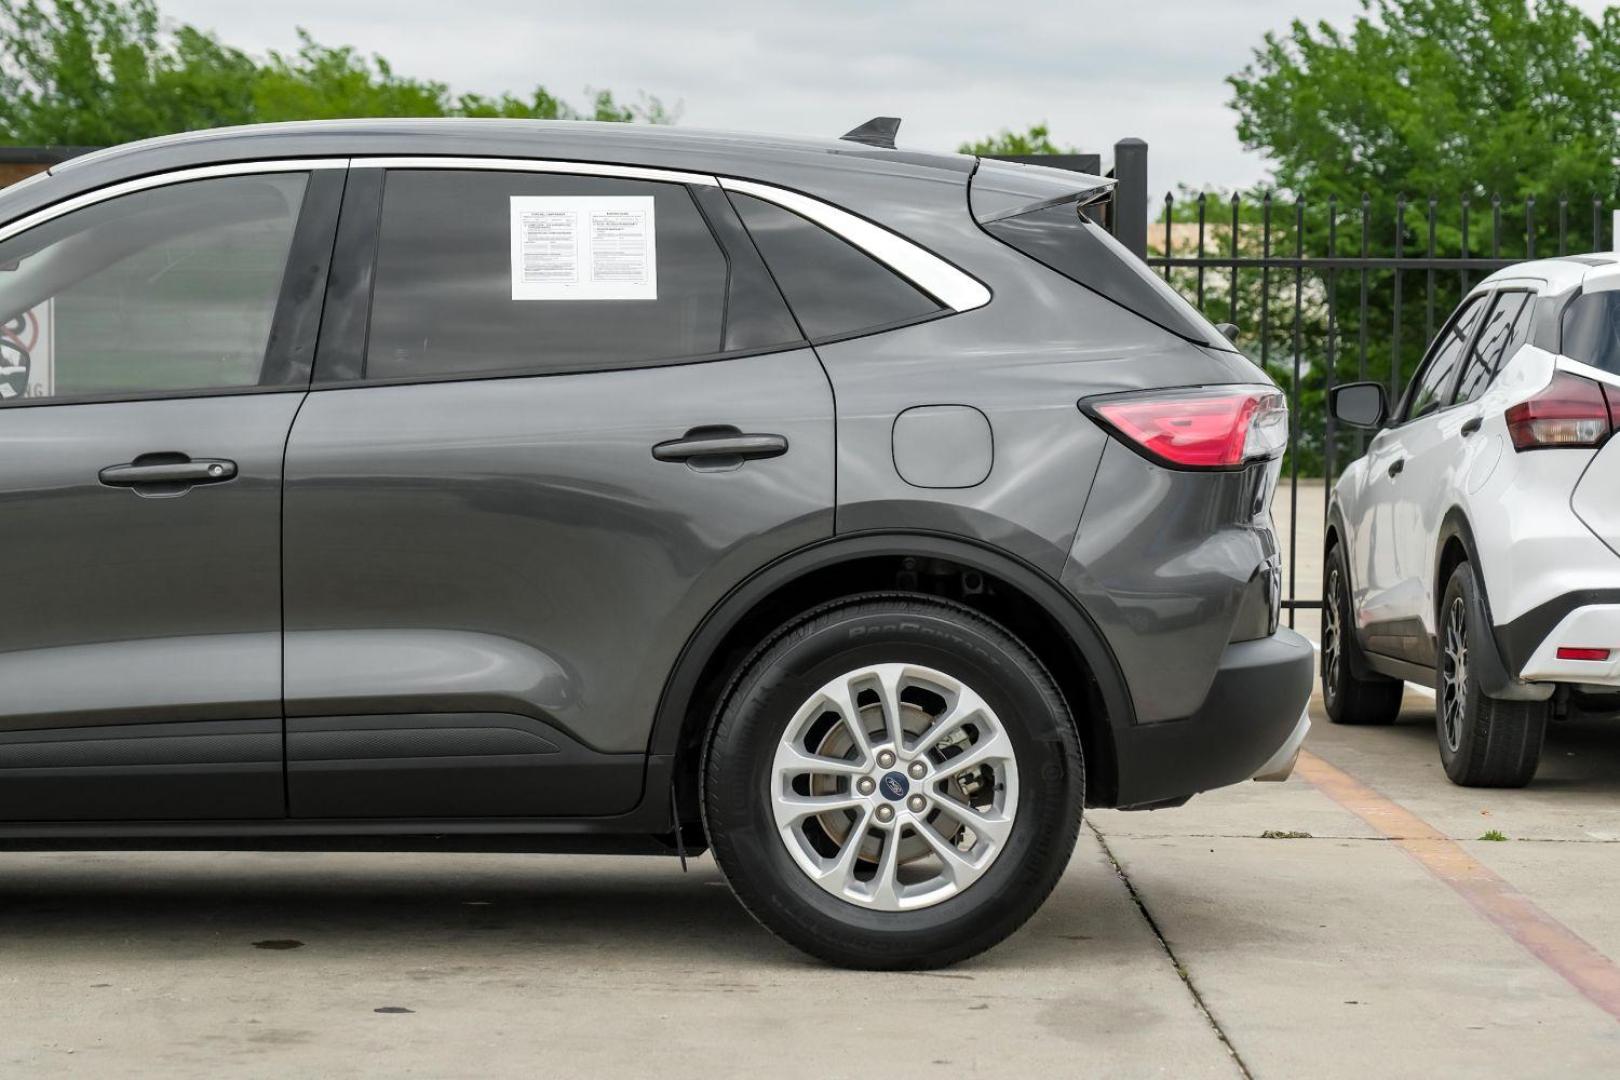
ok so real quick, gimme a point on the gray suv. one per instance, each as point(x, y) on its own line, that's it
point(856, 514)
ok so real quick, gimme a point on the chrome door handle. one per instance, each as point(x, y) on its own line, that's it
point(720, 445)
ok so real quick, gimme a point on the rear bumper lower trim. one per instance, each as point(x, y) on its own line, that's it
point(1254, 707)
point(1592, 626)
point(1280, 765)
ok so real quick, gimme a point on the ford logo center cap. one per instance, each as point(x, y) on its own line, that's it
point(894, 786)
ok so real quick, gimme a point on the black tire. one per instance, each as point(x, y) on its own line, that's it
point(1484, 741)
point(1347, 698)
point(785, 673)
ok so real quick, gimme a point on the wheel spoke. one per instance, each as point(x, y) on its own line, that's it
point(967, 706)
point(962, 870)
point(792, 761)
point(839, 874)
point(794, 807)
point(886, 885)
point(841, 697)
point(888, 678)
point(991, 826)
point(991, 746)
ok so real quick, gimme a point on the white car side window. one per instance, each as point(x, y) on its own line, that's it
point(1435, 376)
point(1504, 331)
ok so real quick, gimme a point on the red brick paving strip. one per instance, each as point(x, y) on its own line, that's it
point(1516, 915)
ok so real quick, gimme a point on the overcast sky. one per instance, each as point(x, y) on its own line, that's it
point(1096, 71)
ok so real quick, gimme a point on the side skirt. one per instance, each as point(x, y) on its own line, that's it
point(1400, 669)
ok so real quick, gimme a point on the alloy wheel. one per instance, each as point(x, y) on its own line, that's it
point(894, 787)
point(1454, 675)
point(1332, 636)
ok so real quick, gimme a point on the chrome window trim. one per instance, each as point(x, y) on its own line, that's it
point(946, 283)
point(157, 180)
point(950, 286)
point(954, 288)
point(535, 165)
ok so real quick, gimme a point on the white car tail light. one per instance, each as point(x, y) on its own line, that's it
point(1569, 412)
point(1214, 427)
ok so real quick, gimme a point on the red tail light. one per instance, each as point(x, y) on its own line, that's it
point(1218, 427)
point(1569, 411)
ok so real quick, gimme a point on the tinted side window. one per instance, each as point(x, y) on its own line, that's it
point(833, 287)
point(1430, 388)
point(478, 272)
point(171, 289)
point(1591, 330)
point(1505, 329)
point(1062, 238)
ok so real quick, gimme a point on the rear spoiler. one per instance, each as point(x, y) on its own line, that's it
point(1005, 189)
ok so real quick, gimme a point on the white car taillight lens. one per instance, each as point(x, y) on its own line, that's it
point(1215, 427)
point(1568, 412)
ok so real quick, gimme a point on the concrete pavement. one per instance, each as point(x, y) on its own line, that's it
point(1180, 943)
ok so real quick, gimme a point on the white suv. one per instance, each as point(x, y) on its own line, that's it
point(1473, 548)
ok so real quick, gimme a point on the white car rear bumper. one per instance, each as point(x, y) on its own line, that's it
point(1593, 627)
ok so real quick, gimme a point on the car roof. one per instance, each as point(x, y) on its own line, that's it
point(549, 138)
point(1556, 276)
point(847, 172)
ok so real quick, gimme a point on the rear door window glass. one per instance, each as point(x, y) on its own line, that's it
point(834, 288)
point(1505, 329)
point(456, 294)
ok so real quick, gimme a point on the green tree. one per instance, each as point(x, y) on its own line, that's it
point(98, 72)
point(1036, 140)
point(1444, 97)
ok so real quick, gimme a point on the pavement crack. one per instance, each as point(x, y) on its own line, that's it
point(1175, 961)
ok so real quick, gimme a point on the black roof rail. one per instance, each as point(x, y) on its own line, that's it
point(878, 131)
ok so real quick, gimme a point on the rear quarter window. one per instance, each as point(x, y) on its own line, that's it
point(1590, 330)
point(834, 288)
point(1060, 238)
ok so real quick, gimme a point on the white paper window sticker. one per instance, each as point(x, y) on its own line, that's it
point(584, 247)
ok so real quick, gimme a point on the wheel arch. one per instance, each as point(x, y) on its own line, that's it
point(1335, 532)
point(1454, 545)
point(1033, 606)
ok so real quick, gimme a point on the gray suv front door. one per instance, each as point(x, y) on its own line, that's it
point(578, 414)
point(152, 371)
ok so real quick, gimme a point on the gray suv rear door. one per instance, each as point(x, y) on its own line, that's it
point(155, 349)
point(577, 415)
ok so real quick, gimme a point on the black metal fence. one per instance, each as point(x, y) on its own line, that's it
point(1322, 294)
point(1326, 291)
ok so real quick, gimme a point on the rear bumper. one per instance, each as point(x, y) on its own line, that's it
point(1280, 766)
point(1253, 711)
point(1587, 625)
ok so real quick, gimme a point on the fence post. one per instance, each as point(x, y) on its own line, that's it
point(1130, 210)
